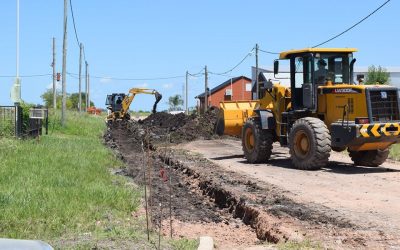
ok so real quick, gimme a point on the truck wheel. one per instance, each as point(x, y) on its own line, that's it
point(309, 143)
point(369, 158)
point(256, 142)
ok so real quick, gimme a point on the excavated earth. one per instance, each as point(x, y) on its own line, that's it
point(189, 196)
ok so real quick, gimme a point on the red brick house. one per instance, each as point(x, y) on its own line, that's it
point(234, 89)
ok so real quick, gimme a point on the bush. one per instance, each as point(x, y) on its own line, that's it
point(377, 75)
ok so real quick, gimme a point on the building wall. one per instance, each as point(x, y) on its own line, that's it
point(239, 92)
point(393, 71)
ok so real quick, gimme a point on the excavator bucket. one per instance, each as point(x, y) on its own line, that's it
point(233, 114)
point(158, 99)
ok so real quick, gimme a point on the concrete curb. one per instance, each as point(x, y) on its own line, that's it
point(206, 243)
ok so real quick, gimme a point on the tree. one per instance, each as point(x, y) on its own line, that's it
point(377, 75)
point(175, 102)
point(72, 100)
point(47, 98)
point(74, 97)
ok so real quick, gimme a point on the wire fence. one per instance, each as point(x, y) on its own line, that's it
point(8, 121)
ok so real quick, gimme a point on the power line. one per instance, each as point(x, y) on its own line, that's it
point(132, 79)
point(197, 74)
point(362, 20)
point(237, 65)
point(73, 21)
point(26, 76)
point(269, 52)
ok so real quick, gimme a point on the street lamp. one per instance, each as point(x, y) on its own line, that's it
point(16, 88)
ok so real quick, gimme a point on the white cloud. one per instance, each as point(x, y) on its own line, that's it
point(143, 85)
point(167, 86)
point(58, 86)
point(105, 80)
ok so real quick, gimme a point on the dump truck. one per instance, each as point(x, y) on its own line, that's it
point(323, 109)
point(118, 103)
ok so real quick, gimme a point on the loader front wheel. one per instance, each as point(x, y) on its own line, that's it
point(369, 158)
point(256, 142)
point(309, 143)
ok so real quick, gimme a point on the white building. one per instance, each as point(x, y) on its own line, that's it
point(284, 75)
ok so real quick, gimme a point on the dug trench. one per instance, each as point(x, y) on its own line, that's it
point(189, 195)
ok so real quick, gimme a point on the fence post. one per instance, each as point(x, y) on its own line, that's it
point(18, 121)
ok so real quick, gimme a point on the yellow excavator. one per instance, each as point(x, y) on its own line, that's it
point(324, 109)
point(118, 103)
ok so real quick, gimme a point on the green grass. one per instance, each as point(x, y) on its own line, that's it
point(302, 245)
point(395, 152)
point(60, 187)
point(184, 244)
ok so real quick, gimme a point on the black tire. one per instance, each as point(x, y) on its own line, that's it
point(258, 148)
point(338, 149)
point(309, 143)
point(369, 158)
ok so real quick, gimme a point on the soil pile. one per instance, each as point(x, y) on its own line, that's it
point(175, 128)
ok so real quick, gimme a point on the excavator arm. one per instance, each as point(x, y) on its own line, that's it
point(126, 103)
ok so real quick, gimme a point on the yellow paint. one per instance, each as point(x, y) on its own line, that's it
point(286, 54)
point(374, 130)
point(332, 105)
point(398, 129)
point(235, 114)
point(371, 146)
point(364, 130)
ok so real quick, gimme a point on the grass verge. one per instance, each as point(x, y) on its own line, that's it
point(60, 189)
point(395, 152)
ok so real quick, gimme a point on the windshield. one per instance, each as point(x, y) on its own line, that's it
point(333, 67)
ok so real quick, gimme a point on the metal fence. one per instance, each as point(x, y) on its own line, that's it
point(10, 121)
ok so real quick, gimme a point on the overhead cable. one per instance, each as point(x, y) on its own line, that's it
point(237, 65)
point(26, 76)
point(73, 21)
point(132, 79)
point(197, 74)
point(269, 52)
point(362, 20)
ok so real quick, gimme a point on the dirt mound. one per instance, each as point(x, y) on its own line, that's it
point(175, 128)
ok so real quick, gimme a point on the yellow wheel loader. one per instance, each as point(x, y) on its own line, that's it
point(118, 103)
point(322, 110)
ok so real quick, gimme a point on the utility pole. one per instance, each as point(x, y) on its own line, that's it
point(206, 89)
point(80, 77)
point(64, 68)
point(16, 88)
point(257, 87)
point(86, 85)
point(54, 76)
point(186, 94)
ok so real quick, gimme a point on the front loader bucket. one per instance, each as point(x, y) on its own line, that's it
point(233, 114)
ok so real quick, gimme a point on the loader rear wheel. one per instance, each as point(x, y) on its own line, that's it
point(309, 143)
point(369, 158)
point(256, 142)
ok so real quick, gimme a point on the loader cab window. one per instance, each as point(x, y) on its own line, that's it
point(333, 67)
point(301, 79)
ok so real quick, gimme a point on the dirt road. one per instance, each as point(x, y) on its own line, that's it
point(368, 197)
point(213, 191)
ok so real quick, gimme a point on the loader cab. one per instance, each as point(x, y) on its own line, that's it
point(313, 68)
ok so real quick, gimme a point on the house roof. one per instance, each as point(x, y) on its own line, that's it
point(223, 85)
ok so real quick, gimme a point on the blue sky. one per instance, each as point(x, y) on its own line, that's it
point(147, 39)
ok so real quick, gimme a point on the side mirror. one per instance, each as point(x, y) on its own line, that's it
point(276, 67)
